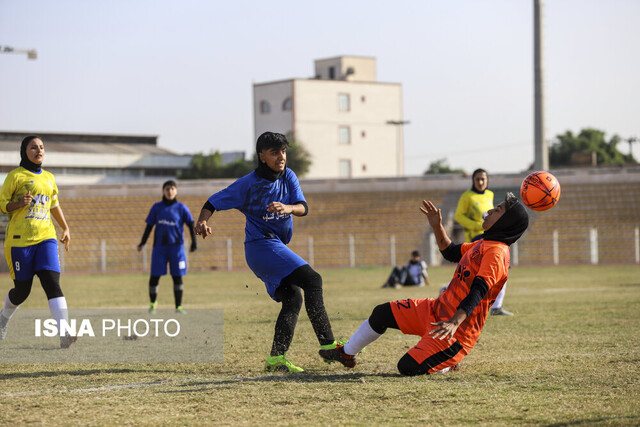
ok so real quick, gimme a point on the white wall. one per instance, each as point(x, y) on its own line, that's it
point(374, 150)
point(277, 120)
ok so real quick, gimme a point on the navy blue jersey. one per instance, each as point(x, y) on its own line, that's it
point(251, 195)
point(169, 222)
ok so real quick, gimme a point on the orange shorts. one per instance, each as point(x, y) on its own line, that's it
point(414, 317)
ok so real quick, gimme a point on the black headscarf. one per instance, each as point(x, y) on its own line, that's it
point(166, 201)
point(511, 225)
point(24, 159)
point(473, 184)
point(267, 141)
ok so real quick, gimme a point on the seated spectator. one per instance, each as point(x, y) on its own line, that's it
point(413, 274)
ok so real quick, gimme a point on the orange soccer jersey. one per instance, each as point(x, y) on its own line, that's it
point(487, 259)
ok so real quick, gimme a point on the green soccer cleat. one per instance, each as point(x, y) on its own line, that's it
point(333, 345)
point(152, 307)
point(180, 310)
point(280, 364)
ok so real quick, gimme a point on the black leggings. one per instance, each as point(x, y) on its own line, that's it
point(382, 318)
point(289, 292)
point(50, 281)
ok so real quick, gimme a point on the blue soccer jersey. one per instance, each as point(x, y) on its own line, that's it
point(169, 221)
point(251, 194)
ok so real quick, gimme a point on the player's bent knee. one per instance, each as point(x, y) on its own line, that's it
point(408, 366)
point(19, 294)
point(291, 298)
point(50, 281)
point(382, 318)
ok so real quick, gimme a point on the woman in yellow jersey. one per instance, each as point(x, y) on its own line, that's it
point(472, 205)
point(30, 196)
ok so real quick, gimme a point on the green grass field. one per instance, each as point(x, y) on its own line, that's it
point(569, 356)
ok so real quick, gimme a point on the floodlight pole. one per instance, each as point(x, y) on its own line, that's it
point(541, 148)
point(631, 140)
point(31, 53)
point(399, 144)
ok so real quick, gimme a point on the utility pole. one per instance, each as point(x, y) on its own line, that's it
point(541, 148)
point(631, 140)
point(399, 144)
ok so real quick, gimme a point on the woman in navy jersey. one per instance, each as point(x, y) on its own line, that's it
point(169, 217)
point(269, 197)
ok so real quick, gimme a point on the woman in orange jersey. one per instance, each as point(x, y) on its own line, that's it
point(449, 325)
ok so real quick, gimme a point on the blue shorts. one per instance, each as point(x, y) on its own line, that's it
point(25, 262)
point(271, 260)
point(172, 254)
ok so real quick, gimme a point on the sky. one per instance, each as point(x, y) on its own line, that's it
point(184, 70)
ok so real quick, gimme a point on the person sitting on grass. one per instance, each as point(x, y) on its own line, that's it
point(449, 325)
point(412, 274)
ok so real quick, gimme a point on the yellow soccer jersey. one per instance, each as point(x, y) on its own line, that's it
point(469, 212)
point(29, 225)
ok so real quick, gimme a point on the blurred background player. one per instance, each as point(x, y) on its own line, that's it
point(412, 274)
point(472, 205)
point(268, 197)
point(30, 196)
point(450, 325)
point(169, 217)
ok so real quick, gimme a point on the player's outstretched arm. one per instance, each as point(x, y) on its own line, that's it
point(201, 228)
point(434, 216)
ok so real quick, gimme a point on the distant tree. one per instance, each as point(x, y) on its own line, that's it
point(441, 166)
point(586, 142)
point(210, 165)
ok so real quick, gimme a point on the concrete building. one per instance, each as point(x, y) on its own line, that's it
point(88, 159)
point(349, 123)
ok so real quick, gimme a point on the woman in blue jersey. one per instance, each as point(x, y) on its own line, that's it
point(30, 196)
point(169, 217)
point(268, 197)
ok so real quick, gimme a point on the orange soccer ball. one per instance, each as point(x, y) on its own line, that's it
point(540, 191)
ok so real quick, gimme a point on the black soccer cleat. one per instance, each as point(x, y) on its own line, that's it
point(338, 355)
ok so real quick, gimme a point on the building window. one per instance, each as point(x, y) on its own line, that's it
point(344, 135)
point(265, 107)
point(344, 168)
point(332, 73)
point(287, 104)
point(343, 102)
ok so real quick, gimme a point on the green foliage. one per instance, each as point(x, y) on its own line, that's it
point(210, 165)
point(586, 142)
point(441, 166)
point(298, 158)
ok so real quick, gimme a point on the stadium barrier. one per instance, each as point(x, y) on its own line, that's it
point(362, 222)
